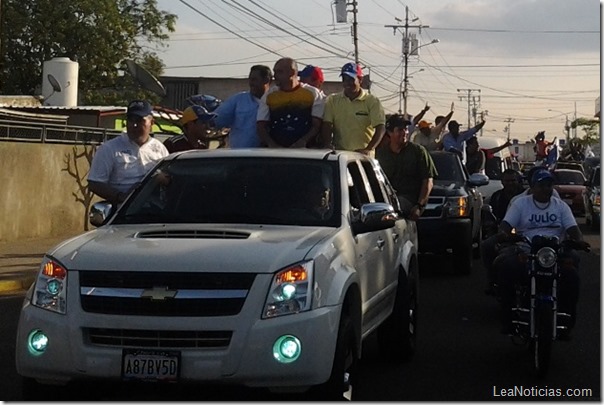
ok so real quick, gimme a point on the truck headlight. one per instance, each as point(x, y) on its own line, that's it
point(458, 207)
point(50, 288)
point(290, 291)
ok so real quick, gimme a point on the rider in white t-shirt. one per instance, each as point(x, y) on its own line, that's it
point(538, 214)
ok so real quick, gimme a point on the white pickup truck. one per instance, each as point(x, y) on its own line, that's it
point(266, 268)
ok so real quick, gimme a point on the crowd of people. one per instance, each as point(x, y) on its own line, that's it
point(287, 108)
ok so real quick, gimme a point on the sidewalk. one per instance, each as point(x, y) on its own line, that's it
point(20, 262)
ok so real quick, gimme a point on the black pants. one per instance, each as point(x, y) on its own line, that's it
point(510, 271)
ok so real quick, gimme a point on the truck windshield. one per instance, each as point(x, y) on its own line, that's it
point(237, 190)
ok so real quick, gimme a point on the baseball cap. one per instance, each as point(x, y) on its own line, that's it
point(352, 69)
point(424, 124)
point(542, 175)
point(196, 112)
point(397, 121)
point(313, 72)
point(139, 108)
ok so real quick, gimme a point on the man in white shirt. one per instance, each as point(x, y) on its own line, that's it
point(539, 214)
point(121, 163)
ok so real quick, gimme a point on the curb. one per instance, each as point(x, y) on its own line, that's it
point(16, 284)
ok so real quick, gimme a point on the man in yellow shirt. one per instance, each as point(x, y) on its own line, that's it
point(353, 119)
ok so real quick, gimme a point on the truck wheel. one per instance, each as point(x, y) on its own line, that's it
point(397, 336)
point(344, 363)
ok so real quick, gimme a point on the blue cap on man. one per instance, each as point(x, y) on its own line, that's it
point(542, 175)
point(140, 108)
point(352, 70)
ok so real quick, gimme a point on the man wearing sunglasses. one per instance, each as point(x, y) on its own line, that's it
point(121, 163)
point(196, 121)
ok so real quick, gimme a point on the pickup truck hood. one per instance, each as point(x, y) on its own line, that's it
point(443, 188)
point(224, 248)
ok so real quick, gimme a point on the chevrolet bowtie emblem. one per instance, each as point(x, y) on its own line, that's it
point(158, 293)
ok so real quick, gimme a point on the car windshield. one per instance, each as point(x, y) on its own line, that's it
point(237, 190)
point(448, 167)
point(569, 177)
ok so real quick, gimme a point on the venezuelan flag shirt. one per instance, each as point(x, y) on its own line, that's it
point(290, 113)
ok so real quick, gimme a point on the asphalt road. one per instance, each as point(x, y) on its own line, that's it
point(461, 354)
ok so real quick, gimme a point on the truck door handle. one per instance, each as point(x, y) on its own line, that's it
point(380, 243)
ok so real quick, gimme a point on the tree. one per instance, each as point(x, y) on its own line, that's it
point(98, 34)
point(591, 127)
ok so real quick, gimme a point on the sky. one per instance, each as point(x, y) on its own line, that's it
point(528, 65)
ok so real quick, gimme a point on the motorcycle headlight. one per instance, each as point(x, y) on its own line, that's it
point(458, 207)
point(290, 291)
point(546, 257)
point(50, 288)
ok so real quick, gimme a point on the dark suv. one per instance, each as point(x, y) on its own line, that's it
point(451, 221)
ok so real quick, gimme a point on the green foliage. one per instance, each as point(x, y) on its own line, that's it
point(98, 34)
point(591, 129)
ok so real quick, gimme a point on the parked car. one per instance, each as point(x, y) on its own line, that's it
point(592, 199)
point(266, 268)
point(451, 221)
point(571, 187)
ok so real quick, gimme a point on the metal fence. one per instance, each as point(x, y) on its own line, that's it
point(48, 133)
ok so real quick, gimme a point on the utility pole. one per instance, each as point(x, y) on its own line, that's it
point(341, 7)
point(508, 127)
point(471, 100)
point(410, 47)
point(355, 34)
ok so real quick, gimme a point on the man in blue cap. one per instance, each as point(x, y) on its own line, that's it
point(195, 123)
point(121, 163)
point(539, 213)
point(354, 119)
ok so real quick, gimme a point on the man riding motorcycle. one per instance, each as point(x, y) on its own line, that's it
point(538, 214)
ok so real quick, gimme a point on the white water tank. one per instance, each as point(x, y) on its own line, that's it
point(65, 72)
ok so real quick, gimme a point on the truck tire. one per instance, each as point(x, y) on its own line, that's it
point(344, 363)
point(397, 336)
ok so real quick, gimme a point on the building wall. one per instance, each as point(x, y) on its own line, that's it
point(43, 190)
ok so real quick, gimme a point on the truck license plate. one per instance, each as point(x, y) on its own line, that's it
point(150, 365)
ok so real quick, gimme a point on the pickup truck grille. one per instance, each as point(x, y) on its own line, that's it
point(164, 293)
point(157, 338)
point(434, 207)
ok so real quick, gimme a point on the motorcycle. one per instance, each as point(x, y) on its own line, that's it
point(536, 318)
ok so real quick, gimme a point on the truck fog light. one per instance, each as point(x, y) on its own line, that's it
point(287, 349)
point(37, 342)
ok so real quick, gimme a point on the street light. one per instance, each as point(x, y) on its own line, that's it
point(566, 125)
point(406, 75)
point(400, 90)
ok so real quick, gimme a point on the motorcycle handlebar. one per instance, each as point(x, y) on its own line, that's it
point(577, 245)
